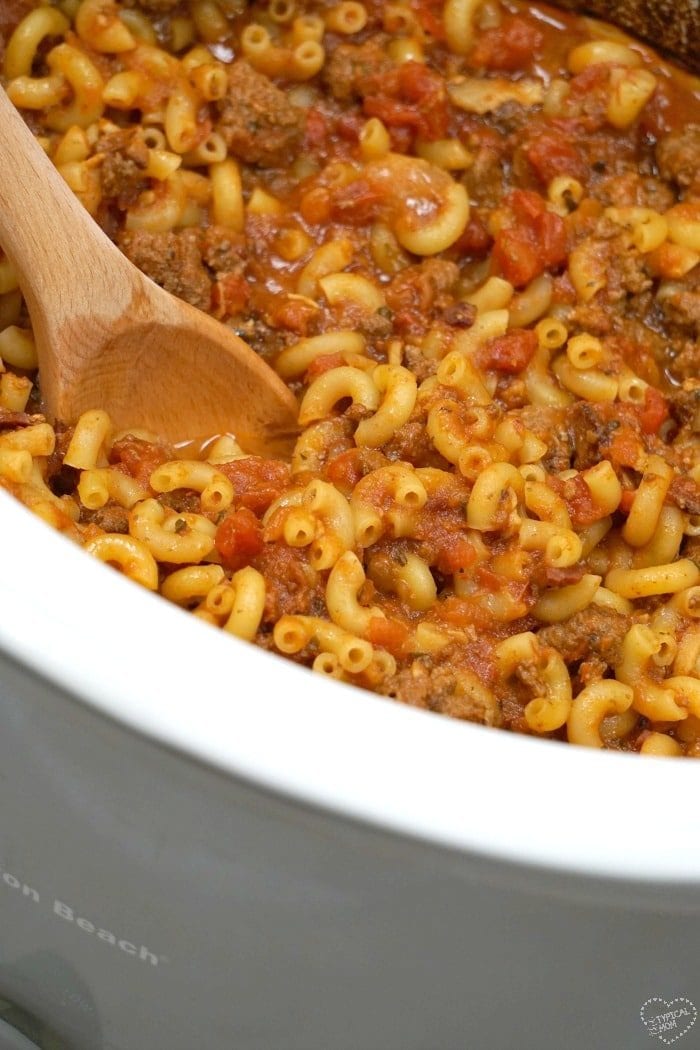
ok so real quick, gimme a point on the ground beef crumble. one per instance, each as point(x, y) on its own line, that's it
point(258, 122)
point(595, 630)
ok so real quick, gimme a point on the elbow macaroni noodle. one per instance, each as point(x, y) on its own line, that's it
point(492, 508)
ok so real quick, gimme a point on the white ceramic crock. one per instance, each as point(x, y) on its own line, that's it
point(266, 860)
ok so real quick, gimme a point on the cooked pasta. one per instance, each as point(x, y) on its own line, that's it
point(468, 239)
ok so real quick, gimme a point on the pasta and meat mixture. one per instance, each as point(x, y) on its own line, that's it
point(467, 234)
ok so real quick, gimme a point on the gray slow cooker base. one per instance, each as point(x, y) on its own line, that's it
point(149, 903)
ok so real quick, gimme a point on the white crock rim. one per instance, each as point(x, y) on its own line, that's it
point(257, 716)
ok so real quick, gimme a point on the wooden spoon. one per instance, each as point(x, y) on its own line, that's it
point(672, 26)
point(108, 337)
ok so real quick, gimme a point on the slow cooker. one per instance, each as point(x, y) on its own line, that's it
point(203, 846)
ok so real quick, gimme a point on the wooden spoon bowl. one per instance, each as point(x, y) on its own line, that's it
point(108, 337)
point(672, 26)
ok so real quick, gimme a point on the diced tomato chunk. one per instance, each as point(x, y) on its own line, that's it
point(315, 206)
point(418, 82)
point(421, 85)
point(391, 111)
point(294, 314)
point(401, 139)
point(229, 295)
point(509, 353)
point(256, 482)
point(550, 154)
point(429, 14)
point(357, 204)
point(536, 242)
point(322, 364)
point(510, 46)
point(589, 80)
point(583, 510)
point(489, 580)
point(555, 577)
point(455, 554)
point(526, 205)
point(387, 633)
point(316, 128)
point(476, 238)
point(239, 538)
point(348, 126)
point(654, 412)
point(551, 235)
point(410, 96)
point(345, 470)
point(463, 612)
point(625, 448)
point(138, 457)
point(516, 257)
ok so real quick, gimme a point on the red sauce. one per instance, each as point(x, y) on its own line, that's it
point(307, 182)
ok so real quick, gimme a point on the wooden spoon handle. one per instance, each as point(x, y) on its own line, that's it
point(40, 220)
